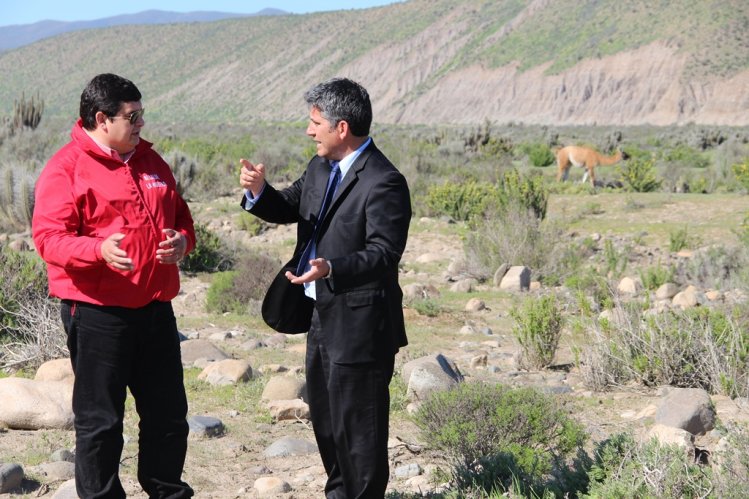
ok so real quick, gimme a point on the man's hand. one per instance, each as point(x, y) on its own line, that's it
point(252, 177)
point(319, 268)
point(173, 248)
point(115, 256)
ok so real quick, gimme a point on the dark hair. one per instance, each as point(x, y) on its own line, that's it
point(341, 99)
point(106, 93)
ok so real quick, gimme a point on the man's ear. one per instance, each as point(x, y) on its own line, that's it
point(343, 129)
point(101, 119)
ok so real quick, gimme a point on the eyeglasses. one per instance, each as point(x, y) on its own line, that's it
point(132, 117)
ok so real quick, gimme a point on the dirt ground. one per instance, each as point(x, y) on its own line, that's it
point(227, 466)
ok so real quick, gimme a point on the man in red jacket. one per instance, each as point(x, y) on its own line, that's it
point(110, 225)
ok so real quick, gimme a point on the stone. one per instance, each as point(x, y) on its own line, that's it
point(517, 278)
point(227, 372)
point(284, 388)
point(195, 350)
point(668, 435)
point(11, 477)
point(475, 305)
point(66, 491)
point(428, 374)
point(689, 298)
point(408, 470)
point(36, 404)
point(687, 408)
point(464, 285)
point(629, 286)
point(56, 471)
point(288, 410)
point(205, 426)
point(55, 370)
point(666, 291)
point(500, 273)
point(288, 446)
point(270, 485)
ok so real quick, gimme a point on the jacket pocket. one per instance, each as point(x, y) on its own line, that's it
point(355, 299)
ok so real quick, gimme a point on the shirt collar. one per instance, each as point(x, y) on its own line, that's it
point(109, 151)
point(345, 163)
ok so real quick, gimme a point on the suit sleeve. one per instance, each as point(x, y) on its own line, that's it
point(279, 207)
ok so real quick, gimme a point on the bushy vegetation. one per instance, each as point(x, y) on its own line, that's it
point(625, 468)
point(30, 329)
point(241, 290)
point(695, 348)
point(495, 438)
point(210, 253)
point(639, 175)
point(538, 329)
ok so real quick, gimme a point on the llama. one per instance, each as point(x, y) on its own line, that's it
point(584, 157)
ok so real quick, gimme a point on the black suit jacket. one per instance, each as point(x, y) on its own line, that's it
point(363, 235)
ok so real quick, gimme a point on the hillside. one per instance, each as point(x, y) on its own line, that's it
point(560, 62)
point(22, 34)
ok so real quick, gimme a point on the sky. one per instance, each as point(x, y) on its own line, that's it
point(31, 11)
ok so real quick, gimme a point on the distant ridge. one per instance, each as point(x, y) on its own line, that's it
point(18, 35)
point(545, 62)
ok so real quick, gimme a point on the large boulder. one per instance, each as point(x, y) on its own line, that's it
point(687, 408)
point(55, 370)
point(27, 404)
point(429, 374)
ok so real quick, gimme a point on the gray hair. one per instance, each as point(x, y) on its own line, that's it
point(341, 99)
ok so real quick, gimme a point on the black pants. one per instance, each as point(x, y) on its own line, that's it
point(349, 408)
point(111, 349)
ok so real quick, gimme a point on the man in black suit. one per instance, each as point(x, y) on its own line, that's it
point(349, 252)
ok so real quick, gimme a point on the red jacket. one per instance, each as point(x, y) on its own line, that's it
point(82, 197)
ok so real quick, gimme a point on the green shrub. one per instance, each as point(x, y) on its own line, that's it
point(678, 240)
point(23, 279)
point(686, 157)
point(696, 348)
point(240, 291)
point(219, 298)
point(210, 253)
point(654, 277)
point(459, 201)
point(591, 283)
point(538, 328)
point(515, 236)
point(716, 267)
point(624, 469)
point(539, 154)
point(639, 175)
point(527, 192)
point(427, 307)
point(732, 477)
point(30, 328)
point(250, 223)
point(741, 171)
point(615, 261)
point(743, 231)
point(521, 433)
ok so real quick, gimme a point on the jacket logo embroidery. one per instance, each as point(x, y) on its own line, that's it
point(152, 180)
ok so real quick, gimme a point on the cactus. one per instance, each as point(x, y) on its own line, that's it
point(27, 113)
point(16, 198)
point(183, 169)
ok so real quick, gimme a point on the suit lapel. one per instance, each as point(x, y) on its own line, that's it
point(352, 174)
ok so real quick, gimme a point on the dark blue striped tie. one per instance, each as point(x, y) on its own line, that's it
point(333, 180)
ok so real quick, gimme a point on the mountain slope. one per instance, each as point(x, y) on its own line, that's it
point(424, 61)
point(23, 34)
